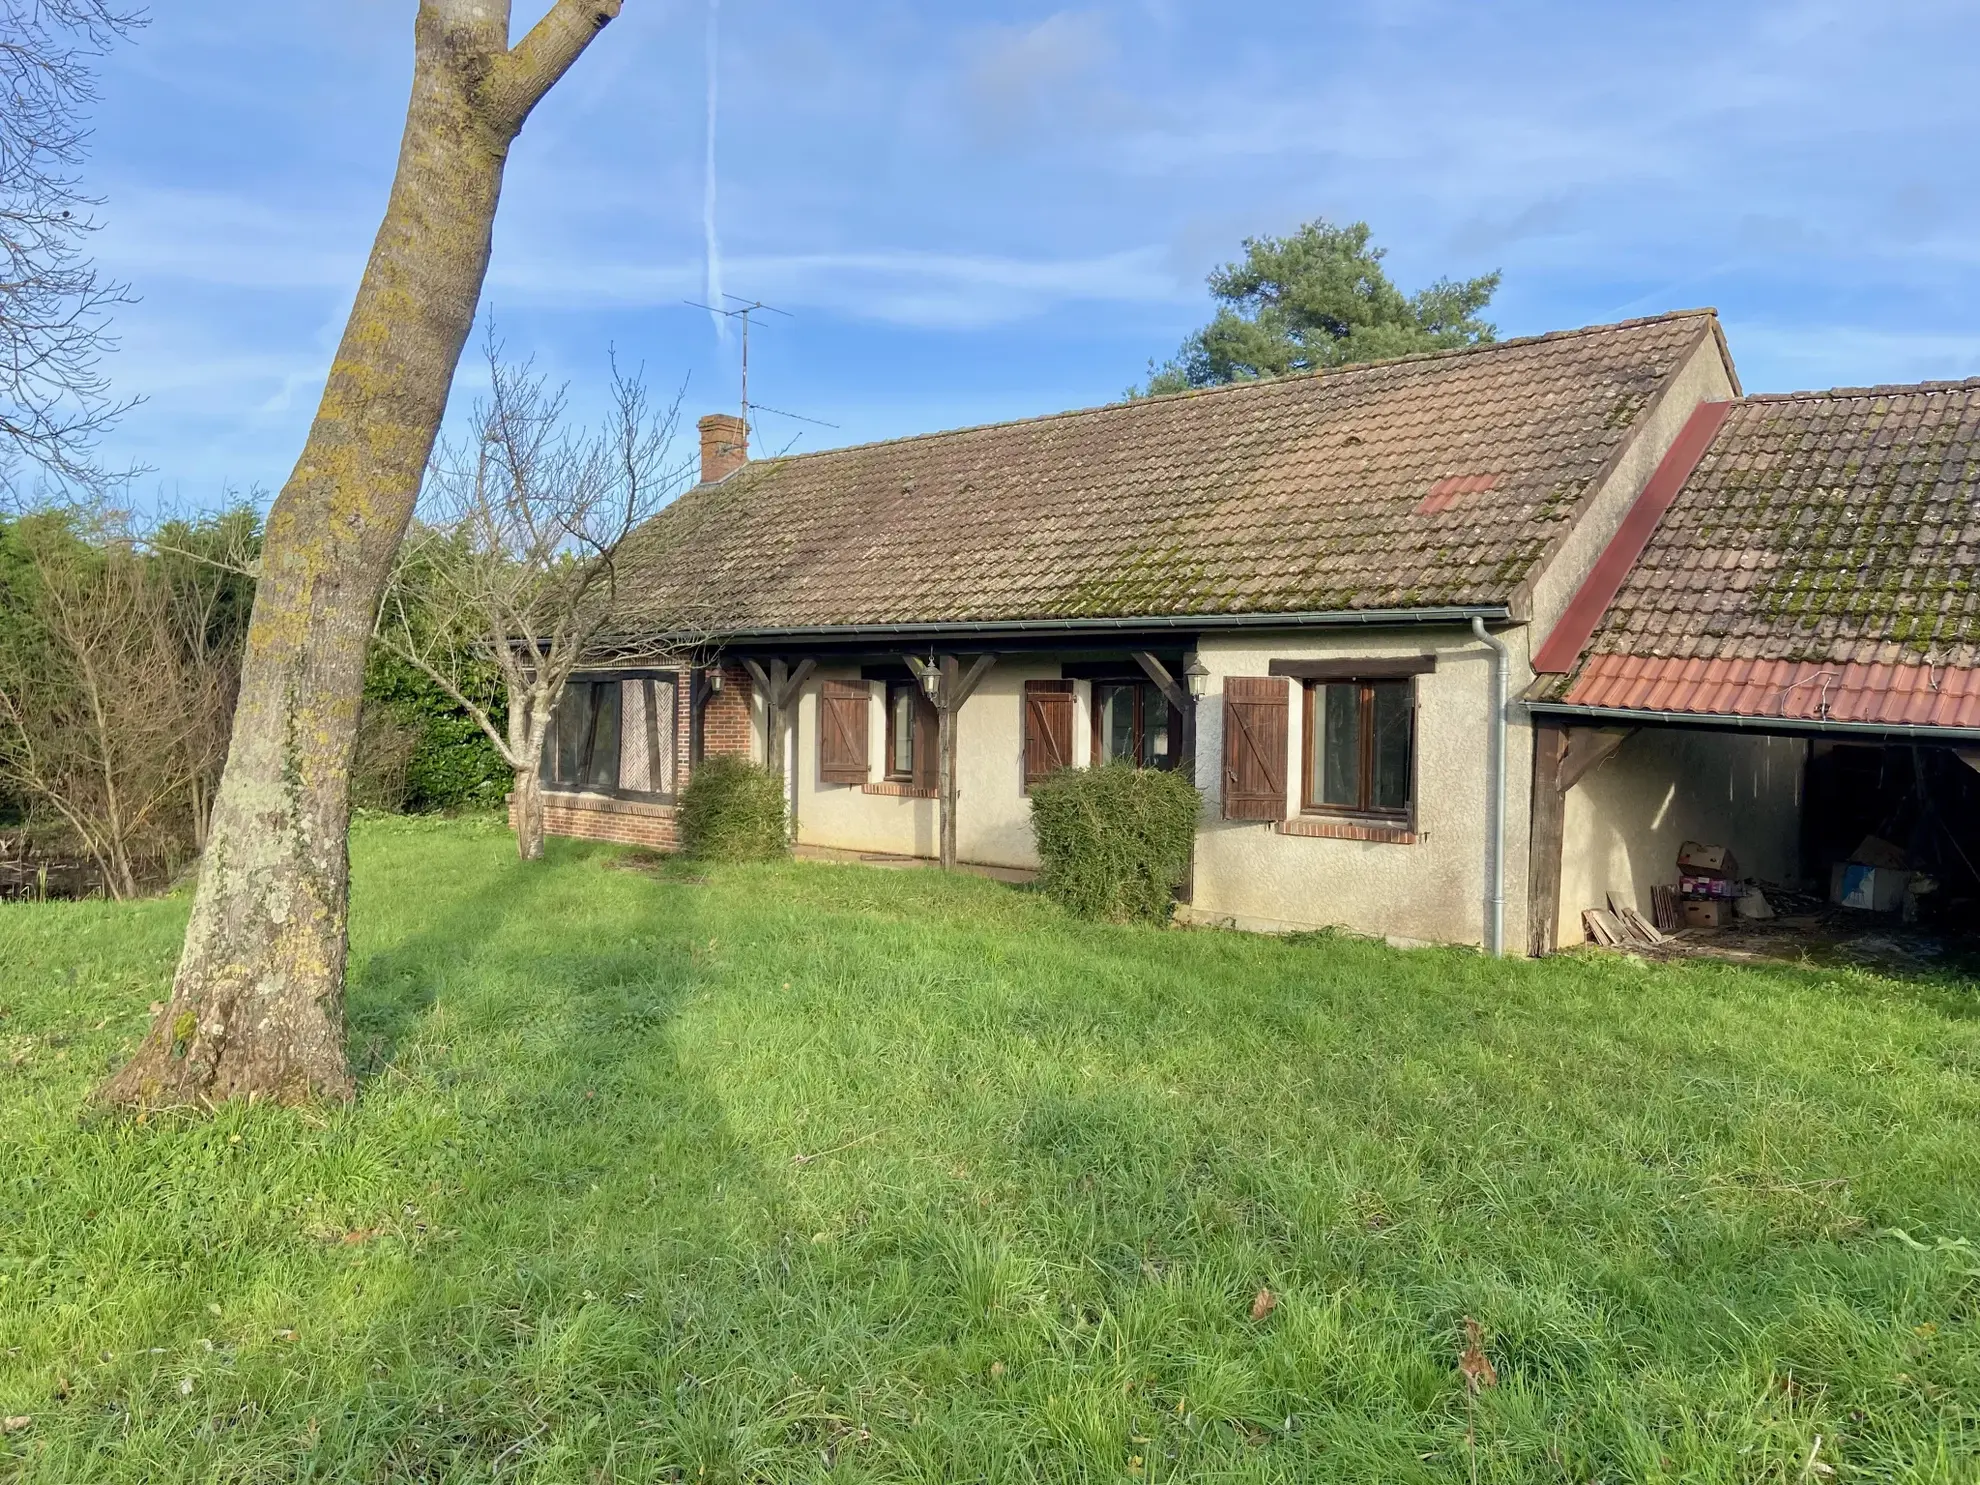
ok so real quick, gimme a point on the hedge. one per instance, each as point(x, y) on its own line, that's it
point(733, 810)
point(1115, 842)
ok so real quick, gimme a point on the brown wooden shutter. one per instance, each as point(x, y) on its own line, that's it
point(843, 708)
point(1255, 747)
point(1048, 728)
point(927, 742)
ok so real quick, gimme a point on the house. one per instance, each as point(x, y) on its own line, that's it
point(1319, 594)
point(1779, 651)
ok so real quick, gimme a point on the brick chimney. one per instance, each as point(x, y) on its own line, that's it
point(724, 446)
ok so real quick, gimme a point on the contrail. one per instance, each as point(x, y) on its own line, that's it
point(712, 242)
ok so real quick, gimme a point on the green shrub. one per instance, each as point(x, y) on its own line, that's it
point(733, 810)
point(451, 764)
point(1115, 842)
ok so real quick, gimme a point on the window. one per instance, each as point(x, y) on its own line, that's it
point(1359, 747)
point(613, 737)
point(911, 724)
point(1134, 723)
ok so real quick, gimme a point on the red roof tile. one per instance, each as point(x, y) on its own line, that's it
point(1818, 564)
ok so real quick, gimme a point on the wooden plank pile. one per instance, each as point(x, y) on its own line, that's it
point(1620, 926)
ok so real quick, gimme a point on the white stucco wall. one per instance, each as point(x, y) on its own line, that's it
point(1429, 891)
point(993, 821)
point(1626, 819)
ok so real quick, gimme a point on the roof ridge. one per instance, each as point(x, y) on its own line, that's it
point(1883, 389)
point(1252, 385)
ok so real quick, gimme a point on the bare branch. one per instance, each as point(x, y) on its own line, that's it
point(520, 78)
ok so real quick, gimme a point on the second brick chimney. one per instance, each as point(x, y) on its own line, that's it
point(724, 446)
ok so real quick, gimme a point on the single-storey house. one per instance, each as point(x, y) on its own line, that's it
point(1454, 646)
point(1322, 595)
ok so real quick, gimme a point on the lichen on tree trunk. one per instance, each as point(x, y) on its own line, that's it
point(256, 1008)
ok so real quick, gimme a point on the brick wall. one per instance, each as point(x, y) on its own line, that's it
point(629, 822)
point(728, 723)
point(727, 726)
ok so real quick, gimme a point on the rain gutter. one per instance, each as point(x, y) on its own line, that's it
point(1914, 731)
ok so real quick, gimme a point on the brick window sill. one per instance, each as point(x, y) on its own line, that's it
point(1309, 825)
point(606, 804)
point(897, 790)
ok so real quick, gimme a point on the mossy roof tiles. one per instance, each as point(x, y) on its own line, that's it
point(1832, 528)
point(1295, 495)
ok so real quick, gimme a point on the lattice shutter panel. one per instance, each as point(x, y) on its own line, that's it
point(646, 736)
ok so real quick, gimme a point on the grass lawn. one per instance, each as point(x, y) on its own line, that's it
point(827, 1172)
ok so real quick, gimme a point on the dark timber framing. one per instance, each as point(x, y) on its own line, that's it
point(952, 687)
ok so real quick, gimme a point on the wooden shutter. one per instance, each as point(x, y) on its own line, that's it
point(1255, 747)
point(1048, 728)
point(843, 708)
point(927, 742)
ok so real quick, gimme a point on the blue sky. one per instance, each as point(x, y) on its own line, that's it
point(986, 211)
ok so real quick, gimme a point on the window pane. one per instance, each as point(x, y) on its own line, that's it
point(663, 709)
point(1389, 719)
point(635, 737)
point(1340, 729)
point(646, 736)
point(900, 733)
point(604, 770)
point(1155, 718)
point(567, 734)
point(1117, 739)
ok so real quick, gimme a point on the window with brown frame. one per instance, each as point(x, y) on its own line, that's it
point(1134, 723)
point(911, 728)
point(1359, 748)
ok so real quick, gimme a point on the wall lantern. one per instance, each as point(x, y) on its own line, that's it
point(931, 681)
point(1197, 674)
point(714, 678)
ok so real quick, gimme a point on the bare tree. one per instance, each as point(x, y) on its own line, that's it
point(516, 571)
point(102, 705)
point(257, 1006)
point(54, 399)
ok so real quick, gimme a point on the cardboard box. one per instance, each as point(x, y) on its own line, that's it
point(1872, 889)
point(1709, 887)
point(1699, 860)
point(1711, 914)
point(1875, 852)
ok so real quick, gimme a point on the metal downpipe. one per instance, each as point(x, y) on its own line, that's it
point(1495, 796)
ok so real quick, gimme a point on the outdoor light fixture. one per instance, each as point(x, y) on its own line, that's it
point(931, 681)
point(714, 681)
point(1197, 674)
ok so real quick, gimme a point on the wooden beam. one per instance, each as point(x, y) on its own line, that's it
point(972, 678)
point(1157, 672)
point(1587, 748)
point(1545, 839)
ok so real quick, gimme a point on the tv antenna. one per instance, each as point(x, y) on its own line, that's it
point(744, 309)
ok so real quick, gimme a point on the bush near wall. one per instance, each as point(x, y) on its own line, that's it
point(733, 810)
point(1115, 842)
point(451, 764)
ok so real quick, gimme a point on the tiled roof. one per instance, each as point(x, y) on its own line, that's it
point(1433, 480)
point(1820, 559)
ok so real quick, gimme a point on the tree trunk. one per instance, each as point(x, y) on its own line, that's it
point(257, 1006)
point(528, 795)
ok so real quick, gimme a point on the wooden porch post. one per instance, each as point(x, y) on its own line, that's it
point(953, 687)
point(1543, 869)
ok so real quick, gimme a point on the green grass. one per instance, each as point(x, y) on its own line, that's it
point(788, 1172)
